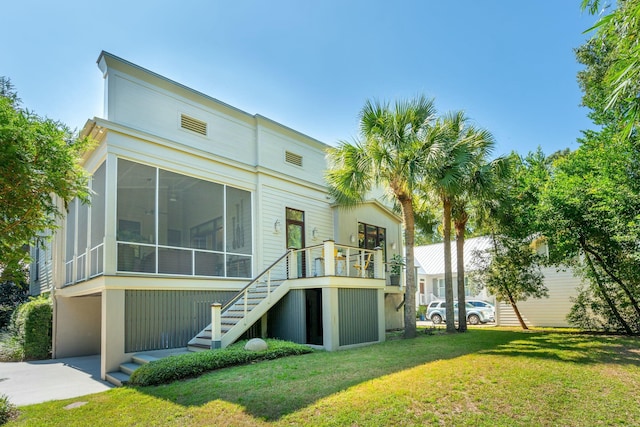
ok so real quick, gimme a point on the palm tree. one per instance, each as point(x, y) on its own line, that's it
point(456, 153)
point(389, 154)
point(482, 180)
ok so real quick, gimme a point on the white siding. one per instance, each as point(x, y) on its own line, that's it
point(274, 202)
point(550, 311)
point(272, 147)
point(153, 110)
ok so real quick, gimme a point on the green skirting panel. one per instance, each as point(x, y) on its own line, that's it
point(157, 320)
point(358, 316)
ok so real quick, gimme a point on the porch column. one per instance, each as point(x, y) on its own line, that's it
point(330, 319)
point(110, 226)
point(378, 264)
point(216, 326)
point(329, 251)
point(293, 264)
point(112, 331)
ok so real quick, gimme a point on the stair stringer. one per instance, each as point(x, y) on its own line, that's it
point(254, 315)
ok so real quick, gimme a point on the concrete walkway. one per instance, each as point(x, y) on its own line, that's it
point(39, 381)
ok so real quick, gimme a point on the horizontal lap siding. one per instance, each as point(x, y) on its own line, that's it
point(550, 311)
point(167, 319)
point(274, 202)
point(358, 316)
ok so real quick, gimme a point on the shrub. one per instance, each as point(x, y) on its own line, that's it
point(8, 411)
point(11, 349)
point(193, 364)
point(29, 335)
point(12, 294)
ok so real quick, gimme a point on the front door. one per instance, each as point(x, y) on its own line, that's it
point(295, 237)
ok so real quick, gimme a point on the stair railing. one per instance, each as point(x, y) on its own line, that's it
point(245, 291)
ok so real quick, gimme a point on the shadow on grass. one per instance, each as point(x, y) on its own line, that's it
point(573, 347)
point(270, 390)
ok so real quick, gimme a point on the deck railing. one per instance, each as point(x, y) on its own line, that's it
point(331, 259)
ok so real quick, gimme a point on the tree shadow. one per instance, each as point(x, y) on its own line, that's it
point(272, 389)
point(574, 348)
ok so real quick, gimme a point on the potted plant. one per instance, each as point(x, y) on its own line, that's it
point(397, 262)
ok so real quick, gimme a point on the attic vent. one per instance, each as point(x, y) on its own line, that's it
point(294, 159)
point(194, 125)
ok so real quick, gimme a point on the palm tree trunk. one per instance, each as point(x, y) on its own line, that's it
point(410, 286)
point(462, 309)
point(448, 279)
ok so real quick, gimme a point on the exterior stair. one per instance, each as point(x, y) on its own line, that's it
point(121, 377)
point(248, 306)
point(233, 322)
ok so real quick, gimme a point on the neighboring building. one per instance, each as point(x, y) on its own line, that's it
point(194, 201)
point(550, 311)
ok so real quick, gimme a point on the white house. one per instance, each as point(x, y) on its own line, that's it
point(208, 224)
point(552, 311)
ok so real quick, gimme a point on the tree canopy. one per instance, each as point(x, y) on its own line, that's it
point(40, 174)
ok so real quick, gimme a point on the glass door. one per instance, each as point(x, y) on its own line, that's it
point(295, 237)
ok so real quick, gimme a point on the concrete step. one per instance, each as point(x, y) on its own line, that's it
point(142, 358)
point(117, 378)
point(128, 368)
point(121, 377)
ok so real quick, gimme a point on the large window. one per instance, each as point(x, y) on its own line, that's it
point(371, 237)
point(170, 223)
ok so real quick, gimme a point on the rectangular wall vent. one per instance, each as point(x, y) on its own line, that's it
point(294, 159)
point(194, 125)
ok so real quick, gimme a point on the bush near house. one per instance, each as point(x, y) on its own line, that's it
point(29, 335)
point(12, 294)
point(190, 365)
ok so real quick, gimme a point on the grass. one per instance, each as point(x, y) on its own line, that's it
point(486, 377)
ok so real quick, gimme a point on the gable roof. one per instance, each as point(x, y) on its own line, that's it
point(430, 258)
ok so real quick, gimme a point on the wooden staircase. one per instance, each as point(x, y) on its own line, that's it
point(245, 309)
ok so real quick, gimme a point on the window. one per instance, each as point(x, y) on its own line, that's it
point(438, 287)
point(371, 237)
point(170, 223)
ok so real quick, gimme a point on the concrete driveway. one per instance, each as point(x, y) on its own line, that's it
point(39, 381)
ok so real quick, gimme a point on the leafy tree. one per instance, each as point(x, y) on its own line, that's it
point(511, 269)
point(618, 45)
point(591, 216)
point(40, 174)
point(391, 154)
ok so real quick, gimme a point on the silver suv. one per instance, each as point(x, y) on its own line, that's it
point(475, 315)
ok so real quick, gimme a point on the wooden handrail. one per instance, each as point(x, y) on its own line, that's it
point(258, 277)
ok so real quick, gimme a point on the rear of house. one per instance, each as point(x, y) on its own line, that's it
point(196, 202)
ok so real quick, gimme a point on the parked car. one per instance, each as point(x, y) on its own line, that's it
point(483, 304)
point(475, 315)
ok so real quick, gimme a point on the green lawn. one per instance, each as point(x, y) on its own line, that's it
point(486, 377)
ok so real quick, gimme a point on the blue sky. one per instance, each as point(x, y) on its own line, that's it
point(509, 64)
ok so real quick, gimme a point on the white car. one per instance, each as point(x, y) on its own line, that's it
point(482, 304)
point(475, 315)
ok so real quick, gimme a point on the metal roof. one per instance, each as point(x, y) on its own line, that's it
point(430, 258)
